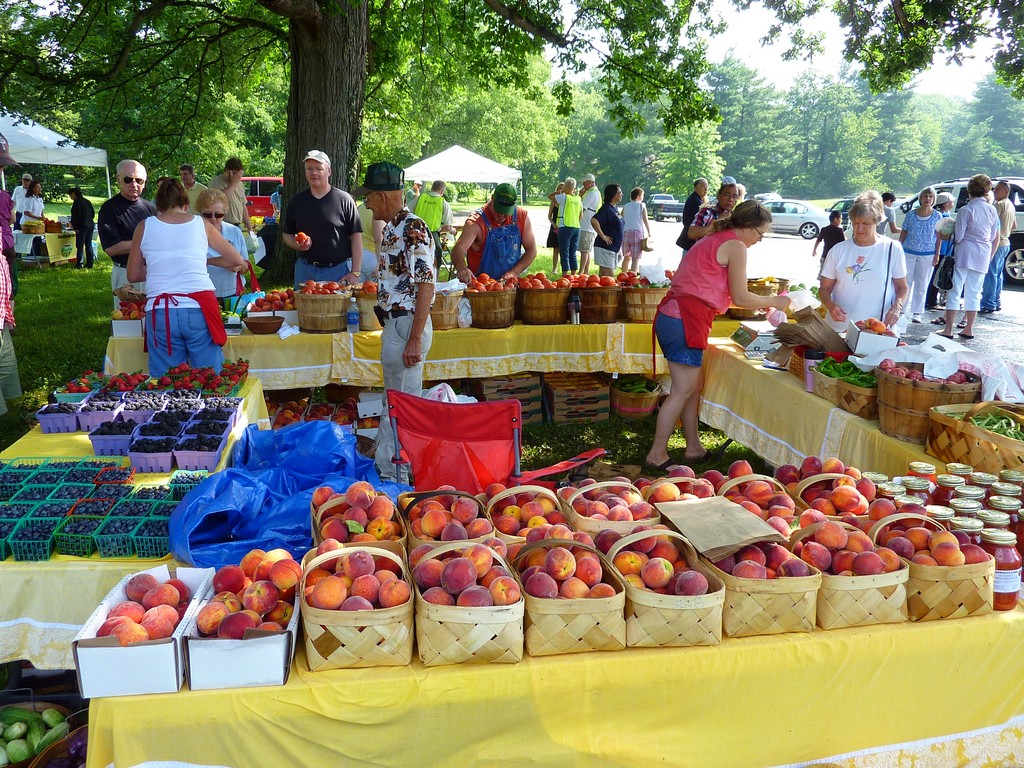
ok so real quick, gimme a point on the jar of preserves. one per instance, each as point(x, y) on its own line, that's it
point(906, 499)
point(983, 480)
point(1006, 489)
point(1007, 505)
point(939, 514)
point(1006, 588)
point(998, 520)
point(970, 527)
point(890, 491)
point(919, 487)
point(944, 487)
point(1015, 476)
point(963, 470)
point(875, 477)
point(972, 492)
point(922, 469)
point(965, 507)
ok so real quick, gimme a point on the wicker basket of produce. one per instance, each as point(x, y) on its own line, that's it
point(905, 398)
point(876, 594)
point(760, 286)
point(989, 436)
point(322, 312)
point(542, 306)
point(582, 611)
point(581, 505)
point(642, 303)
point(635, 397)
point(444, 314)
point(427, 515)
point(366, 300)
point(859, 400)
point(458, 620)
point(511, 510)
point(825, 386)
point(943, 591)
point(599, 304)
point(493, 309)
point(370, 633)
point(688, 614)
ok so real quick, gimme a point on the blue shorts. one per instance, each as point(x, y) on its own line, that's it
point(672, 338)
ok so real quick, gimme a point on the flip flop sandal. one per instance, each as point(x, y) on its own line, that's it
point(967, 336)
point(962, 324)
point(665, 466)
point(939, 321)
point(950, 336)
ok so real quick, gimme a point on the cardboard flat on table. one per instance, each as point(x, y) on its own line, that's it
point(126, 328)
point(370, 404)
point(717, 527)
point(866, 342)
point(156, 666)
point(260, 658)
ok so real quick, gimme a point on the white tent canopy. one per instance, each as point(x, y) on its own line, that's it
point(459, 164)
point(30, 142)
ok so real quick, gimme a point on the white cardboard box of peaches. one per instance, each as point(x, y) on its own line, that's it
point(133, 642)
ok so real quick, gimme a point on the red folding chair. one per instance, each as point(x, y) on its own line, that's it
point(467, 445)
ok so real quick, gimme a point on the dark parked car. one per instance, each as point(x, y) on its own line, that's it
point(843, 206)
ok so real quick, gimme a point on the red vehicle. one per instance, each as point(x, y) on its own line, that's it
point(258, 190)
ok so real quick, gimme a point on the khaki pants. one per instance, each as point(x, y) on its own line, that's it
point(10, 383)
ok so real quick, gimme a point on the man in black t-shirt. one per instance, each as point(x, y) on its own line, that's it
point(690, 208)
point(331, 246)
point(118, 218)
point(831, 235)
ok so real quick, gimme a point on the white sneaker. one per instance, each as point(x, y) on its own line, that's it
point(916, 318)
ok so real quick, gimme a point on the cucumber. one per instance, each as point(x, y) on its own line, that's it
point(15, 731)
point(4, 760)
point(55, 734)
point(18, 750)
point(36, 732)
point(52, 717)
point(9, 715)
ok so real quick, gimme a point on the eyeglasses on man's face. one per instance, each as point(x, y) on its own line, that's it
point(140, 180)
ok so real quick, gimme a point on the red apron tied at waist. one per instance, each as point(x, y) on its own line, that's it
point(207, 301)
point(697, 318)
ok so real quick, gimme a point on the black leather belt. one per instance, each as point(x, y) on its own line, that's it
point(117, 263)
point(323, 264)
point(394, 312)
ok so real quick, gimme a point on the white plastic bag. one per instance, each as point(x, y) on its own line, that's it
point(443, 393)
point(251, 241)
point(655, 272)
point(451, 285)
point(465, 313)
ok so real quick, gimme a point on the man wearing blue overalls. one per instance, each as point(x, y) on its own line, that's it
point(497, 240)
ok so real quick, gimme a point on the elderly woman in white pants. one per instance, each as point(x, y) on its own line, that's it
point(977, 238)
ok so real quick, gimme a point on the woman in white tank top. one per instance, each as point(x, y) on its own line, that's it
point(169, 253)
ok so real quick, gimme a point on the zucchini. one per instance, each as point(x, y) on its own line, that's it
point(55, 734)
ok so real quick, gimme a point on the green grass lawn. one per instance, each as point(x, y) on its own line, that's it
point(63, 323)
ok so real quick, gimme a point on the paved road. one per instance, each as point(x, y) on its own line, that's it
point(789, 256)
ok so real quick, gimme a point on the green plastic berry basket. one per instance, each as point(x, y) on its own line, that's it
point(151, 546)
point(152, 492)
point(33, 549)
point(114, 544)
point(183, 481)
point(72, 492)
point(6, 529)
point(76, 544)
point(32, 493)
point(102, 462)
point(163, 509)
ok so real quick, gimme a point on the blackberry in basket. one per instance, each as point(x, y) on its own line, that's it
point(52, 509)
point(12, 510)
point(153, 445)
point(132, 508)
point(215, 414)
point(61, 408)
point(152, 492)
point(160, 429)
point(115, 428)
point(204, 443)
point(48, 477)
point(217, 428)
point(100, 403)
point(82, 526)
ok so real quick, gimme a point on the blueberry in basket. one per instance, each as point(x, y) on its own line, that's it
point(96, 507)
point(12, 510)
point(152, 492)
point(62, 464)
point(115, 428)
point(153, 527)
point(99, 463)
point(153, 445)
point(53, 509)
point(204, 443)
point(188, 478)
point(36, 530)
point(47, 477)
point(189, 395)
point(116, 475)
point(112, 491)
point(82, 526)
point(223, 403)
point(159, 429)
point(59, 408)
point(33, 493)
point(6, 527)
point(118, 525)
point(132, 508)
point(81, 475)
point(144, 401)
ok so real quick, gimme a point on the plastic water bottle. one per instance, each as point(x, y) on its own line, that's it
point(353, 315)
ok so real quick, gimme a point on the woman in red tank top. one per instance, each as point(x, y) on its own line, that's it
point(711, 276)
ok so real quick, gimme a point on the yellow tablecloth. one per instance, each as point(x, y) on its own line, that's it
point(44, 604)
point(944, 693)
point(770, 412)
point(302, 360)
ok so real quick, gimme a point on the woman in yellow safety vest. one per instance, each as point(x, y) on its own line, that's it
point(570, 208)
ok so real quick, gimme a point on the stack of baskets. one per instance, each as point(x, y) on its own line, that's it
point(322, 313)
point(367, 303)
point(904, 404)
point(599, 305)
point(761, 286)
point(642, 303)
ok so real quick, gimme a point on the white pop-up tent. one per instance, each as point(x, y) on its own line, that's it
point(30, 142)
point(459, 164)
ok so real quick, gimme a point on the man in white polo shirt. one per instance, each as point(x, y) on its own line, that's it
point(18, 195)
point(591, 200)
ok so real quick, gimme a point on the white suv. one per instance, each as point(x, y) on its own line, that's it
point(958, 189)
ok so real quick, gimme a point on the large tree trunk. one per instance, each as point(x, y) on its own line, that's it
point(325, 102)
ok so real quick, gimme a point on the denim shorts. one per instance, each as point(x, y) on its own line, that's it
point(672, 338)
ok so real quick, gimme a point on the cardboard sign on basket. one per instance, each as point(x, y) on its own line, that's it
point(716, 526)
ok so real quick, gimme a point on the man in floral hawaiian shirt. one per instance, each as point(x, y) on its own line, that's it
point(404, 294)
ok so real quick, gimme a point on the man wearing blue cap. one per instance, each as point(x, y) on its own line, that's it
point(728, 195)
